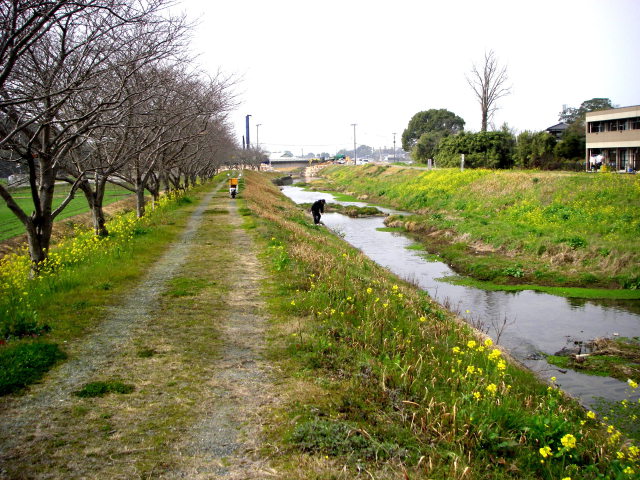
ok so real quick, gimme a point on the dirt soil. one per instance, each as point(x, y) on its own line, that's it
point(199, 403)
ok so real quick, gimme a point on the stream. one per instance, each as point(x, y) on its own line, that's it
point(527, 323)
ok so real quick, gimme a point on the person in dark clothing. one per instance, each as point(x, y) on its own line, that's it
point(316, 209)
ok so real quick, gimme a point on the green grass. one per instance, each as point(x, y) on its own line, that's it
point(566, 229)
point(569, 292)
point(378, 378)
point(102, 388)
point(24, 363)
point(10, 226)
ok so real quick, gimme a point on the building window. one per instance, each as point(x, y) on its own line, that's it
point(595, 127)
point(622, 125)
point(635, 123)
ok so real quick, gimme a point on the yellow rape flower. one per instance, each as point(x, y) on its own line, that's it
point(568, 441)
point(545, 451)
point(488, 342)
point(492, 388)
point(591, 415)
point(632, 384)
point(471, 344)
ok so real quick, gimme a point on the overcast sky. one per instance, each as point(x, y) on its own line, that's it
point(307, 70)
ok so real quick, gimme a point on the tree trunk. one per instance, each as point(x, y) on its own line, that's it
point(140, 200)
point(95, 199)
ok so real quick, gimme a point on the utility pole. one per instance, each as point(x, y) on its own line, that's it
point(258, 136)
point(247, 128)
point(355, 152)
point(394, 147)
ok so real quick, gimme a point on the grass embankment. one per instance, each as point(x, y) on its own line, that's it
point(381, 382)
point(10, 226)
point(82, 276)
point(512, 227)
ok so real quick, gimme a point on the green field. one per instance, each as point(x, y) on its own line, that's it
point(10, 226)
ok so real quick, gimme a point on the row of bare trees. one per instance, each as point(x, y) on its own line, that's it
point(103, 91)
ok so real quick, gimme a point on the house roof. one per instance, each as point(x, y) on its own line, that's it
point(560, 127)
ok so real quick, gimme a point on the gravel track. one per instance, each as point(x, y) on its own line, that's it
point(223, 444)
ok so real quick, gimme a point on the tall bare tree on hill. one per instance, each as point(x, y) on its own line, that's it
point(489, 83)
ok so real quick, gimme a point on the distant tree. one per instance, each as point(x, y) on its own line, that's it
point(572, 144)
point(571, 115)
point(482, 150)
point(426, 146)
point(364, 151)
point(438, 122)
point(489, 83)
point(534, 149)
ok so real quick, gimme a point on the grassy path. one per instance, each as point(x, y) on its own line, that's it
point(189, 339)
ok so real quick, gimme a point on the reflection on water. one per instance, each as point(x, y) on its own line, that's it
point(528, 323)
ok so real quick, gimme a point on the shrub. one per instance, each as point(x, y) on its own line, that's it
point(24, 363)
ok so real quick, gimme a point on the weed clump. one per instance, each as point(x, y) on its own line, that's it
point(100, 389)
point(342, 438)
point(24, 363)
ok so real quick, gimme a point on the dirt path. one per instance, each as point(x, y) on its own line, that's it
point(199, 403)
point(223, 443)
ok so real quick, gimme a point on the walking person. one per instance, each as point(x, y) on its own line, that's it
point(317, 209)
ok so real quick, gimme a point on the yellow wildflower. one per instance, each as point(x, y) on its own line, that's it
point(568, 441)
point(545, 451)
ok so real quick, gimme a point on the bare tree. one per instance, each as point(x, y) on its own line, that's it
point(489, 83)
point(44, 115)
point(105, 151)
